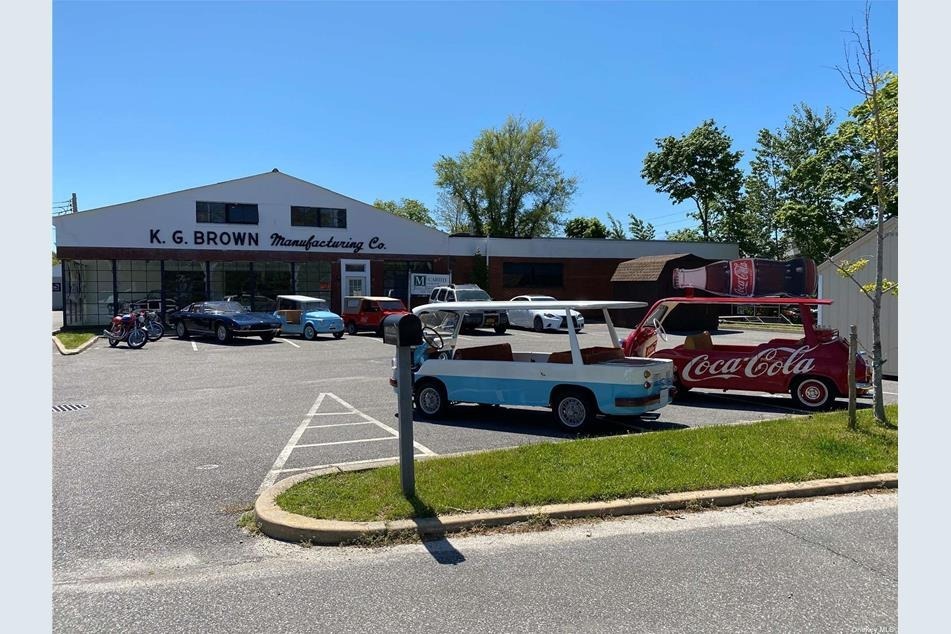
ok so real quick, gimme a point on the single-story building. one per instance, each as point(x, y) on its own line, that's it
point(852, 306)
point(273, 234)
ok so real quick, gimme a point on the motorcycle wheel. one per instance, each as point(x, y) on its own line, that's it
point(137, 338)
point(115, 336)
point(156, 330)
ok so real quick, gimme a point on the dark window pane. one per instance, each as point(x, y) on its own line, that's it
point(532, 275)
point(318, 217)
point(242, 214)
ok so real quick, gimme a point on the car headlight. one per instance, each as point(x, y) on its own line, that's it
point(550, 315)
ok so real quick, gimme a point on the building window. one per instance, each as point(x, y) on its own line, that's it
point(532, 275)
point(319, 217)
point(313, 279)
point(226, 213)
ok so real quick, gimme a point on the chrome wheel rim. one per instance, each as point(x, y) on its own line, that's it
point(222, 333)
point(571, 411)
point(430, 400)
point(813, 392)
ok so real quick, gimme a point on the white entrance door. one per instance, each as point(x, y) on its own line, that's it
point(354, 278)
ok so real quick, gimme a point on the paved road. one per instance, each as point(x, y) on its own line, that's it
point(825, 565)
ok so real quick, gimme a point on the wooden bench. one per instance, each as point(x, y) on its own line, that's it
point(290, 316)
point(495, 352)
point(700, 341)
point(589, 356)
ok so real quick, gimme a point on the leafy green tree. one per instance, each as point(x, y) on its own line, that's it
point(640, 230)
point(617, 229)
point(877, 127)
point(687, 234)
point(451, 215)
point(857, 134)
point(698, 166)
point(407, 208)
point(582, 227)
point(762, 201)
point(812, 214)
point(509, 183)
point(55, 259)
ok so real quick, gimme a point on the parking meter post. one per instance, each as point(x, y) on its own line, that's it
point(853, 350)
point(404, 362)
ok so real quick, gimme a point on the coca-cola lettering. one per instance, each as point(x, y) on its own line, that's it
point(741, 278)
point(768, 362)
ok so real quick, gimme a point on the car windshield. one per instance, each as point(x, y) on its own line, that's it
point(225, 307)
point(542, 298)
point(313, 306)
point(391, 305)
point(477, 295)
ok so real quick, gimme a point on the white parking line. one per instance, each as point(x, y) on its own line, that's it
point(344, 442)
point(194, 346)
point(289, 342)
point(278, 468)
point(366, 422)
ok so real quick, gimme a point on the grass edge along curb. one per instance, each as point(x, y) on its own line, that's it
point(280, 524)
point(83, 346)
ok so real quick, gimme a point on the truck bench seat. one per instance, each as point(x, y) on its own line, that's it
point(595, 354)
point(494, 352)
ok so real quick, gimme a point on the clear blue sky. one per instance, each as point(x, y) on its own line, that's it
point(363, 98)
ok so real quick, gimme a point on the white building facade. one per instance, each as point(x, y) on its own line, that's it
point(269, 234)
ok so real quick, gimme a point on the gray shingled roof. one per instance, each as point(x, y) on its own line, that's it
point(646, 268)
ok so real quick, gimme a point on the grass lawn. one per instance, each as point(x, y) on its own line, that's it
point(76, 338)
point(785, 450)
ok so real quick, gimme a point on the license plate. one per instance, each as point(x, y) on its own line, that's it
point(490, 321)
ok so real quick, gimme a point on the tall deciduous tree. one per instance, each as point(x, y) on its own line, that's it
point(407, 208)
point(451, 215)
point(509, 182)
point(813, 215)
point(616, 232)
point(582, 227)
point(862, 75)
point(698, 166)
point(640, 229)
point(687, 234)
point(763, 200)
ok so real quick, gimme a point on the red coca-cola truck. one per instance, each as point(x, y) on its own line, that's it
point(813, 368)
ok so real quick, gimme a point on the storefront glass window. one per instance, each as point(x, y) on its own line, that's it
point(271, 279)
point(231, 280)
point(532, 275)
point(184, 283)
point(89, 300)
point(313, 279)
point(140, 284)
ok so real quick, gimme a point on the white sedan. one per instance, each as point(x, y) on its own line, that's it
point(541, 319)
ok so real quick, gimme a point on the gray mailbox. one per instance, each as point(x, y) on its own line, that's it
point(403, 330)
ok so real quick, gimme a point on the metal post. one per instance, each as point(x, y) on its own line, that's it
point(74, 206)
point(853, 345)
point(404, 368)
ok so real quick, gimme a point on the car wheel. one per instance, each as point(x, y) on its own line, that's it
point(222, 334)
point(181, 331)
point(267, 337)
point(351, 328)
point(812, 393)
point(539, 326)
point(500, 330)
point(338, 334)
point(573, 409)
point(309, 332)
point(430, 397)
point(114, 341)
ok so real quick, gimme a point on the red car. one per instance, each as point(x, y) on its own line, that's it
point(813, 369)
point(368, 313)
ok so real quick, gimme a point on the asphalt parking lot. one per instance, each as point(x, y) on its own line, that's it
point(169, 444)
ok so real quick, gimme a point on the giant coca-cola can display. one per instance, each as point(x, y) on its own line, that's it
point(752, 277)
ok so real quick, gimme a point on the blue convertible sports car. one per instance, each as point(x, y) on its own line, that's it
point(223, 320)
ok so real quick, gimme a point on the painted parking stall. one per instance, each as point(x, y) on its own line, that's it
point(335, 433)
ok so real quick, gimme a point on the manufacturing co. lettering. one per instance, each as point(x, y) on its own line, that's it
point(206, 237)
point(209, 238)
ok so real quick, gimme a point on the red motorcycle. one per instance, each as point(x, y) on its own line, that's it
point(131, 328)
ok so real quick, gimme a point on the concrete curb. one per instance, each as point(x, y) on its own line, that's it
point(64, 350)
point(279, 524)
